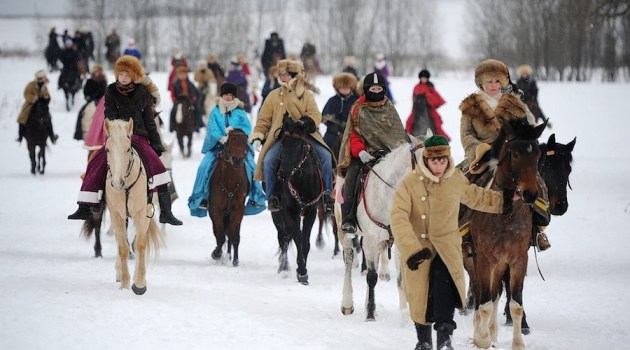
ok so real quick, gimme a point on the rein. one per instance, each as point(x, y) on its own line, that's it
point(130, 164)
point(237, 164)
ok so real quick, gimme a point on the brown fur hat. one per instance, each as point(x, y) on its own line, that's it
point(344, 80)
point(131, 65)
point(524, 69)
point(491, 70)
point(290, 66)
point(436, 146)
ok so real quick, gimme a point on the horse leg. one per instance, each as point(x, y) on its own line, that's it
point(97, 219)
point(482, 333)
point(363, 262)
point(517, 277)
point(142, 226)
point(303, 245)
point(237, 241)
point(371, 251)
point(219, 234)
point(305, 233)
point(42, 159)
point(383, 267)
point(189, 151)
point(180, 142)
point(347, 307)
point(402, 297)
point(122, 269)
point(508, 316)
point(319, 242)
point(284, 238)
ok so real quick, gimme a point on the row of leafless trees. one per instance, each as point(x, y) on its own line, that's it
point(561, 39)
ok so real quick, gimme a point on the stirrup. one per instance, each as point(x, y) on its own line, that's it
point(542, 242)
point(273, 204)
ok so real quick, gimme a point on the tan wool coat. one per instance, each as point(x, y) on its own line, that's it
point(31, 94)
point(424, 215)
point(287, 98)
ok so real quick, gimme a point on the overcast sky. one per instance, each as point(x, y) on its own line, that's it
point(33, 7)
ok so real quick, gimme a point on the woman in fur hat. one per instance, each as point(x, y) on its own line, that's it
point(482, 114)
point(424, 225)
point(227, 115)
point(337, 109)
point(374, 126)
point(128, 98)
point(424, 93)
point(292, 98)
point(527, 84)
point(35, 91)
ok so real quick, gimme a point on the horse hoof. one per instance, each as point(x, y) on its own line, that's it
point(303, 279)
point(216, 255)
point(235, 263)
point(347, 310)
point(525, 331)
point(98, 255)
point(464, 312)
point(370, 319)
point(138, 291)
point(320, 244)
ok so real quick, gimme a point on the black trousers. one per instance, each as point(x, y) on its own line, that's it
point(348, 208)
point(443, 295)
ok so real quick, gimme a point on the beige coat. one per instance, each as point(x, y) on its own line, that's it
point(269, 122)
point(424, 215)
point(31, 94)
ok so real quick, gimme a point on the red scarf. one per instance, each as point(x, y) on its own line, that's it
point(125, 89)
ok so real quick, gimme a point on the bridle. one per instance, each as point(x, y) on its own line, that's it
point(133, 154)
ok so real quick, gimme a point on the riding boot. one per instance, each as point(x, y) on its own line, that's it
point(20, 132)
point(348, 212)
point(539, 239)
point(166, 216)
point(51, 134)
point(83, 213)
point(328, 201)
point(444, 333)
point(424, 337)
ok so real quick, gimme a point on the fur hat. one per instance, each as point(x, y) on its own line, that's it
point(424, 73)
point(97, 67)
point(131, 65)
point(491, 70)
point(524, 69)
point(181, 69)
point(290, 66)
point(40, 74)
point(436, 146)
point(228, 88)
point(344, 80)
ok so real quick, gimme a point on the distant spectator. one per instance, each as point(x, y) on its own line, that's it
point(132, 50)
point(273, 52)
point(112, 42)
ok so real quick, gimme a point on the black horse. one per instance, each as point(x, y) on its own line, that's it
point(70, 81)
point(36, 134)
point(299, 188)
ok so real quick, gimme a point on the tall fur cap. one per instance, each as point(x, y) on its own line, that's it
point(524, 69)
point(131, 65)
point(491, 69)
point(344, 80)
point(290, 66)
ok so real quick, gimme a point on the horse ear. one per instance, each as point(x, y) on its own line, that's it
point(107, 127)
point(130, 127)
point(539, 129)
point(509, 130)
point(429, 133)
point(571, 144)
point(552, 141)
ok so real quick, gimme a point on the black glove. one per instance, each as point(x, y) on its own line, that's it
point(158, 148)
point(508, 201)
point(307, 124)
point(416, 259)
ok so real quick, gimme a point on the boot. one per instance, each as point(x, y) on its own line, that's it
point(20, 133)
point(424, 337)
point(166, 216)
point(83, 213)
point(273, 204)
point(541, 240)
point(328, 201)
point(444, 333)
point(349, 222)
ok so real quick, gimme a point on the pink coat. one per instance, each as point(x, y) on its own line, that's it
point(95, 138)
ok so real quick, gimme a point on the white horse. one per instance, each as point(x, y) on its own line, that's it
point(373, 213)
point(126, 196)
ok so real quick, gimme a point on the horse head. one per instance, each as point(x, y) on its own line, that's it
point(555, 168)
point(236, 147)
point(293, 150)
point(518, 152)
point(119, 151)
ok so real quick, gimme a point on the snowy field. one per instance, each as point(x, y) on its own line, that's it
point(55, 295)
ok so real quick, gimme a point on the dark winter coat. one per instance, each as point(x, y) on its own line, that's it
point(113, 47)
point(273, 52)
point(136, 105)
point(94, 89)
point(335, 114)
point(70, 59)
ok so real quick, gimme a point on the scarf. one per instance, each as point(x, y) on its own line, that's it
point(125, 89)
point(492, 101)
point(226, 107)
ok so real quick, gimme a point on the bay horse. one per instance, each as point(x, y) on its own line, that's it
point(126, 196)
point(502, 240)
point(373, 224)
point(36, 134)
point(229, 187)
point(183, 122)
point(300, 189)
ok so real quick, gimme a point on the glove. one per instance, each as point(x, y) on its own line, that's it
point(158, 148)
point(508, 201)
point(228, 129)
point(416, 259)
point(257, 145)
point(307, 124)
point(223, 140)
point(365, 157)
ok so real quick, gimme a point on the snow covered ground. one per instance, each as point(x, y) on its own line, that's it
point(55, 295)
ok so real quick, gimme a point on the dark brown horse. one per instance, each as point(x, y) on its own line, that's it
point(228, 188)
point(183, 122)
point(502, 240)
point(36, 134)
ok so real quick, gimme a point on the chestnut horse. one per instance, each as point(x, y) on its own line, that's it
point(228, 188)
point(502, 240)
point(126, 196)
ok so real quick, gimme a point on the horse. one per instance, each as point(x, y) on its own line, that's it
point(183, 122)
point(300, 189)
point(126, 196)
point(229, 187)
point(70, 81)
point(311, 69)
point(421, 118)
point(36, 134)
point(373, 224)
point(502, 240)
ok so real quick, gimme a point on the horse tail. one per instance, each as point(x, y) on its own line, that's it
point(155, 239)
point(88, 227)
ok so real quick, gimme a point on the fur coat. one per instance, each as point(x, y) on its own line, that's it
point(32, 93)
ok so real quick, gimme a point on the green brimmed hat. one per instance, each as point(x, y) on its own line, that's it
point(436, 146)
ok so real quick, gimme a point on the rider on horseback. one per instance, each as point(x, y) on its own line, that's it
point(374, 125)
point(337, 109)
point(482, 112)
point(35, 91)
point(290, 98)
point(124, 99)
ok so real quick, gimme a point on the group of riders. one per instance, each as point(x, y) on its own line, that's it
point(362, 125)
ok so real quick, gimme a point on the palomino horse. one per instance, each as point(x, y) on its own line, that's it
point(373, 221)
point(184, 123)
point(502, 240)
point(300, 189)
point(126, 196)
point(228, 188)
point(36, 134)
